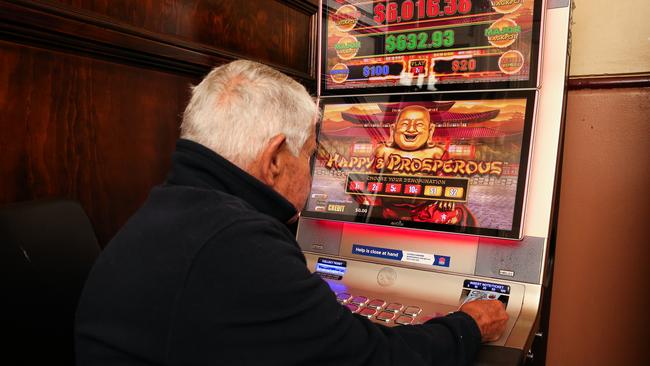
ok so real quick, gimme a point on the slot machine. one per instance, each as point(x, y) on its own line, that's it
point(433, 183)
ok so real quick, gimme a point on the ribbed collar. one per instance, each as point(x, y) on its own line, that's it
point(197, 166)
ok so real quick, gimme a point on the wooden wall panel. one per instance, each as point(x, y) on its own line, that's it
point(598, 313)
point(91, 91)
point(77, 127)
point(267, 30)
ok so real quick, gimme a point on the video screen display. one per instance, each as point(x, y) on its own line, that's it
point(429, 45)
point(445, 162)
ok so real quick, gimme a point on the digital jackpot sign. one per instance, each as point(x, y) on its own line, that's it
point(428, 45)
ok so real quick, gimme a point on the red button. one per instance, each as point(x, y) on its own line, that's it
point(353, 308)
point(357, 186)
point(368, 312)
point(393, 188)
point(375, 187)
point(412, 189)
point(404, 320)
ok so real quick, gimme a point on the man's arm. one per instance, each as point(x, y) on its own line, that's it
point(251, 299)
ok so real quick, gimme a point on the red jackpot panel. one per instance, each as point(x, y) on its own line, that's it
point(428, 45)
point(441, 162)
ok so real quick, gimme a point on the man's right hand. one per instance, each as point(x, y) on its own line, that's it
point(490, 316)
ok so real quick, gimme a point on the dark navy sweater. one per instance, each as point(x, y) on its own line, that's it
point(207, 273)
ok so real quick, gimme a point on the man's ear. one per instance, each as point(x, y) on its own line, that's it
point(270, 160)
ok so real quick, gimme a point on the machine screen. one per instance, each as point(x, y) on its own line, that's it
point(436, 162)
point(407, 45)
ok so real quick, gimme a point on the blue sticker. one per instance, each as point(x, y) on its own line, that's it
point(441, 260)
point(376, 252)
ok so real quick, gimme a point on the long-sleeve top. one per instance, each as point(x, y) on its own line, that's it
point(207, 273)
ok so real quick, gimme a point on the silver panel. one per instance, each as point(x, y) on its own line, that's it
point(521, 262)
point(319, 236)
point(435, 294)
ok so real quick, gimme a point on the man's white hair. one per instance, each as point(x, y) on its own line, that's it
point(238, 107)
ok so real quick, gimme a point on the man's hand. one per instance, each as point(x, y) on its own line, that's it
point(490, 316)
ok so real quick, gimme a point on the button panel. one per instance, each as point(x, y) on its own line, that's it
point(378, 309)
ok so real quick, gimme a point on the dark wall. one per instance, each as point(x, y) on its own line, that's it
point(91, 92)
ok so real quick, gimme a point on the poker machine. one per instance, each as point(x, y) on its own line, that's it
point(435, 174)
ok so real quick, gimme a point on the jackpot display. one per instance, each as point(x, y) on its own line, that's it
point(428, 45)
point(454, 163)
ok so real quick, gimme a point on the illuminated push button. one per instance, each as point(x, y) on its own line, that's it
point(376, 304)
point(343, 297)
point(375, 187)
point(413, 189)
point(368, 312)
point(454, 192)
point(404, 320)
point(394, 307)
point(359, 300)
point(353, 308)
point(433, 191)
point(412, 310)
point(393, 188)
point(385, 316)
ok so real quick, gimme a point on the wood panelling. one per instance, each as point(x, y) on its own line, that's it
point(599, 304)
point(91, 92)
point(269, 30)
point(77, 127)
point(199, 33)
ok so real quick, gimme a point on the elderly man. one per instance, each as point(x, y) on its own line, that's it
point(207, 273)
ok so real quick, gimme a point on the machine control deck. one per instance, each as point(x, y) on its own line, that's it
point(379, 310)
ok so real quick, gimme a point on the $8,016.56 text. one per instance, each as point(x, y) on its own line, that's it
point(391, 11)
point(420, 41)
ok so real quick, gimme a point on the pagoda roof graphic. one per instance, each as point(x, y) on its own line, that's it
point(449, 125)
point(382, 133)
point(432, 106)
point(438, 113)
